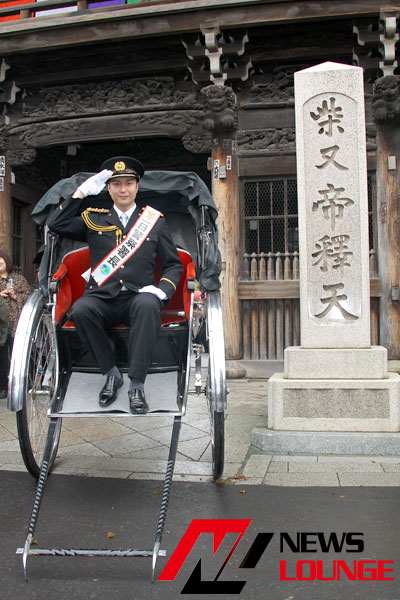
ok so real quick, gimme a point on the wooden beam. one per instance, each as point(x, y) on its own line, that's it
point(278, 164)
point(261, 290)
point(388, 189)
point(132, 21)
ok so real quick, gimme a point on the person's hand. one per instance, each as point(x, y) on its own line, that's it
point(8, 292)
point(152, 289)
point(95, 183)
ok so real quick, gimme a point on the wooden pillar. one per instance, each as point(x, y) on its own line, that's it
point(225, 190)
point(388, 216)
point(5, 206)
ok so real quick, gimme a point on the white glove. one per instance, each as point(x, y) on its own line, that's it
point(95, 183)
point(152, 289)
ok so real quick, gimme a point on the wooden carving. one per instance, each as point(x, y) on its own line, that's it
point(386, 99)
point(127, 95)
point(21, 156)
point(198, 144)
point(272, 141)
point(220, 104)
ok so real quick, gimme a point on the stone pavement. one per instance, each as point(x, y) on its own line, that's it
point(137, 448)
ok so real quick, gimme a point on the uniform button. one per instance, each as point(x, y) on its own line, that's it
point(121, 281)
point(147, 239)
point(90, 287)
point(122, 267)
point(123, 237)
point(100, 232)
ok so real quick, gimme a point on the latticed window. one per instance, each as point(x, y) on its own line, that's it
point(270, 213)
point(271, 216)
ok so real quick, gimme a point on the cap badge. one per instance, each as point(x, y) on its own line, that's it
point(119, 166)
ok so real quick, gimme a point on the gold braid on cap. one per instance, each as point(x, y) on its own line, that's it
point(89, 223)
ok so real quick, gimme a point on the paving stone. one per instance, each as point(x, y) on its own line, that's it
point(163, 435)
point(257, 466)
point(194, 449)
point(203, 424)
point(81, 450)
point(193, 478)
point(71, 423)
point(92, 472)
point(6, 435)
point(240, 428)
point(302, 479)
point(11, 457)
point(247, 481)
point(156, 453)
point(124, 444)
point(117, 463)
point(144, 423)
point(278, 467)
point(207, 454)
point(147, 476)
point(3, 406)
point(13, 467)
point(369, 479)
point(391, 467)
point(102, 430)
point(9, 421)
point(194, 468)
point(236, 450)
point(9, 445)
point(68, 438)
point(353, 459)
point(293, 458)
point(386, 459)
point(343, 467)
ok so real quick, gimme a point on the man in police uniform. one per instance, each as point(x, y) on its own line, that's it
point(123, 244)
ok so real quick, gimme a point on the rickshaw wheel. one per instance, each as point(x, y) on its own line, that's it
point(217, 430)
point(35, 364)
point(216, 385)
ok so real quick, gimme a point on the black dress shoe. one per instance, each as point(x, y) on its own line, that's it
point(137, 402)
point(110, 389)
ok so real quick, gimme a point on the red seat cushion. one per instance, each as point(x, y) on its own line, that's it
point(73, 285)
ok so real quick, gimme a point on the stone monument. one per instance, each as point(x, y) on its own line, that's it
point(335, 381)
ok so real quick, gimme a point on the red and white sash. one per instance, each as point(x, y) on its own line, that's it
point(123, 251)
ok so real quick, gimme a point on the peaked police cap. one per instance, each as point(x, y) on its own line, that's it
point(123, 166)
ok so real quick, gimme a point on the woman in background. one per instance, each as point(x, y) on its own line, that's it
point(15, 289)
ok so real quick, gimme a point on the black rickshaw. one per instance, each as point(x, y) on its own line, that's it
point(47, 353)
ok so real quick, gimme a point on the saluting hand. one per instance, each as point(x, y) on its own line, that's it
point(95, 184)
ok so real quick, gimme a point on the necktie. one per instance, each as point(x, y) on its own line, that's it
point(124, 219)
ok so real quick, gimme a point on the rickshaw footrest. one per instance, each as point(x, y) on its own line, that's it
point(90, 552)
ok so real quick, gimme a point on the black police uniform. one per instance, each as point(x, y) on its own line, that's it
point(103, 307)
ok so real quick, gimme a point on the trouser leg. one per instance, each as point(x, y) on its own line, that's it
point(4, 366)
point(145, 323)
point(92, 316)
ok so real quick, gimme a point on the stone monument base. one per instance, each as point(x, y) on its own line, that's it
point(326, 442)
point(335, 363)
point(334, 404)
